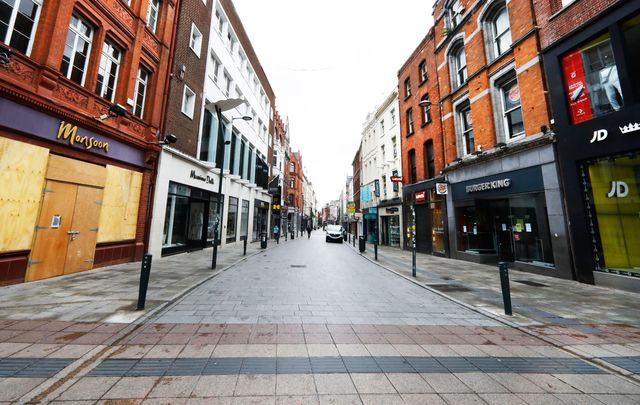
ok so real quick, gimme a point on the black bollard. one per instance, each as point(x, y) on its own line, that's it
point(375, 250)
point(353, 240)
point(244, 252)
point(145, 271)
point(506, 292)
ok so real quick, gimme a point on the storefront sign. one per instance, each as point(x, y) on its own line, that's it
point(391, 210)
point(627, 129)
point(576, 87)
point(618, 189)
point(420, 196)
point(396, 179)
point(442, 188)
point(489, 185)
point(69, 133)
point(21, 118)
point(599, 135)
point(206, 179)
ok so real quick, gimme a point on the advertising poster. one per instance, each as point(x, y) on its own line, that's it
point(576, 87)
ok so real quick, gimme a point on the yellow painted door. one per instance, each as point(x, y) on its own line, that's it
point(49, 252)
point(84, 230)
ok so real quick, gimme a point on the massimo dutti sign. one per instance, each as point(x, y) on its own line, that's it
point(502, 184)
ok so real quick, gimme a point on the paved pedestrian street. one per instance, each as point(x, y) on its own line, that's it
point(307, 322)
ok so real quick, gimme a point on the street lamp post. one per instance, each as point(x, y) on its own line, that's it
point(220, 106)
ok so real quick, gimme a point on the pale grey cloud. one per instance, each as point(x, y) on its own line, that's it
point(330, 63)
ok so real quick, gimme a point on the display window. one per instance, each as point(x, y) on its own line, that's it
point(615, 199)
point(592, 86)
point(515, 228)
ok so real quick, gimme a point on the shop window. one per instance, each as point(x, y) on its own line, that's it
point(631, 29)
point(465, 129)
point(232, 219)
point(591, 79)
point(77, 50)
point(142, 85)
point(153, 12)
point(18, 19)
point(615, 196)
point(515, 228)
point(413, 177)
point(176, 216)
point(244, 220)
point(212, 218)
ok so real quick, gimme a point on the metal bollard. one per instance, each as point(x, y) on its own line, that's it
point(506, 292)
point(375, 250)
point(145, 271)
point(353, 240)
point(244, 251)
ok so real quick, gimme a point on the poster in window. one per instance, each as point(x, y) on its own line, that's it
point(576, 87)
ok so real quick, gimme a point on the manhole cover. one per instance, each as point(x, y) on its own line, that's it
point(448, 287)
point(531, 283)
point(299, 266)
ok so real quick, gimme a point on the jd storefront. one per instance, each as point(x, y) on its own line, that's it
point(595, 93)
point(70, 196)
point(514, 216)
point(422, 202)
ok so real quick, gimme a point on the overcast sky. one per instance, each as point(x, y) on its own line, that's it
point(330, 63)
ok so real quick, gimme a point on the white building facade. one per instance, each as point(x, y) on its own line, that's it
point(380, 196)
point(186, 190)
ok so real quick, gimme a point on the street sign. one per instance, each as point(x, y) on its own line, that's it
point(396, 179)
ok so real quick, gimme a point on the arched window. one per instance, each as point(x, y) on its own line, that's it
point(497, 30)
point(426, 109)
point(458, 65)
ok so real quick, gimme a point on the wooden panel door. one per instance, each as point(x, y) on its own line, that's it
point(84, 228)
point(50, 246)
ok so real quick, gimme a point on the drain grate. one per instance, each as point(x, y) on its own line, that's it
point(531, 283)
point(298, 266)
point(448, 287)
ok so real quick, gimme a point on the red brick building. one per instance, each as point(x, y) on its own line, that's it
point(490, 137)
point(591, 58)
point(81, 101)
point(294, 190)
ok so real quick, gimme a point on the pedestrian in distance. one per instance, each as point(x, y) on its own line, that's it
point(276, 233)
point(309, 231)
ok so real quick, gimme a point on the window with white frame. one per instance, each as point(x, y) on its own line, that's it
point(407, 87)
point(108, 70)
point(215, 66)
point(77, 49)
point(409, 121)
point(226, 84)
point(422, 70)
point(18, 20)
point(511, 107)
point(458, 65)
point(219, 21)
point(453, 12)
point(426, 109)
point(497, 30)
point(195, 41)
point(153, 12)
point(393, 116)
point(142, 85)
point(292, 167)
point(395, 147)
point(465, 128)
point(188, 102)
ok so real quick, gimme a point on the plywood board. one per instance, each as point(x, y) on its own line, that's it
point(120, 202)
point(22, 177)
point(75, 171)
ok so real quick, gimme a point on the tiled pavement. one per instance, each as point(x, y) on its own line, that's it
point(251, 355)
